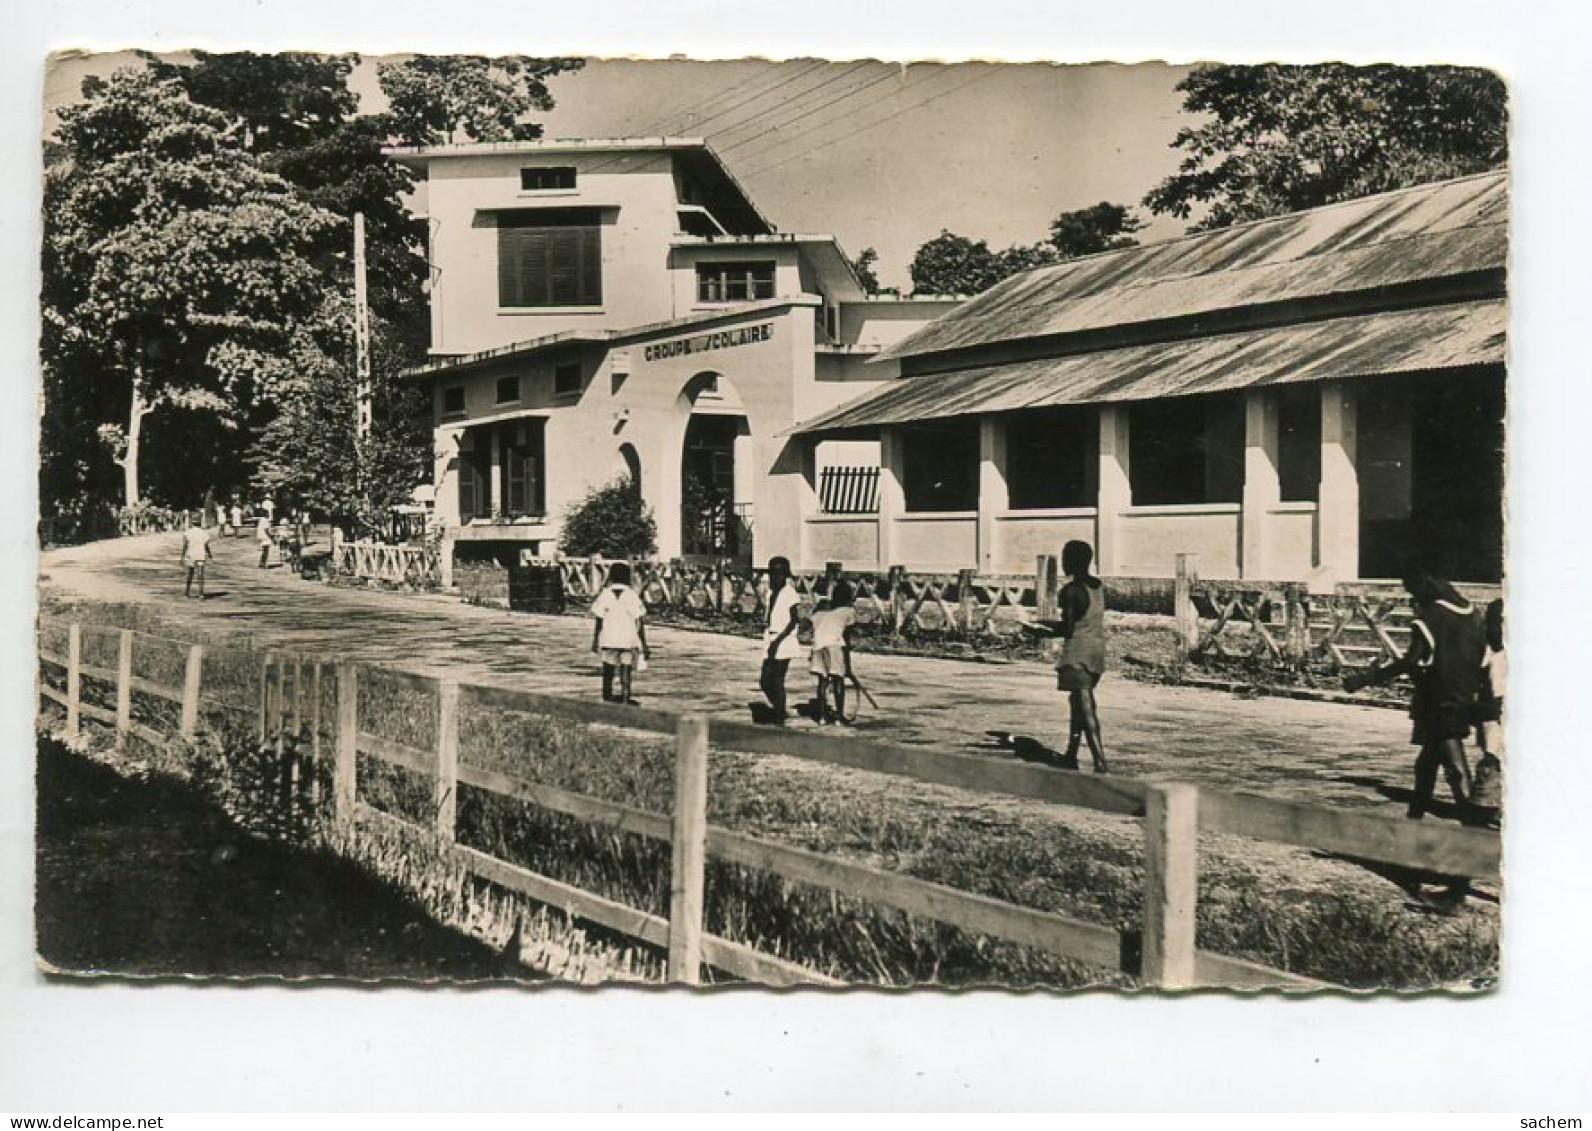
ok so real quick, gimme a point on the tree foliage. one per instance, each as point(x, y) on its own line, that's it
point(1088, 231)
point(1277, 138)
point(175, 268)
point(611, 521)
point(862, 267)
point(443, 99)
point(953, 264)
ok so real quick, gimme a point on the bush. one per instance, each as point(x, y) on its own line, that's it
point(612, 521)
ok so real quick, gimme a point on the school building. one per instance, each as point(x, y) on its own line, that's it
point(608, 308)
point(1316, 397)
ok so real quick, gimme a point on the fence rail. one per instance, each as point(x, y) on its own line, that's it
point(419, 567)
point(1161, 953)
point(1281, 622)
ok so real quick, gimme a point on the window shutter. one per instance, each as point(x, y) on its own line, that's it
point(550, 258)
point(515, 458)
point(468, 487)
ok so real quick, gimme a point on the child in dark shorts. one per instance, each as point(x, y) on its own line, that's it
point(1083, 656)
point(1447, 642)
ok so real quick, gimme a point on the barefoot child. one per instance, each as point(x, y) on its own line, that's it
point(831, 658)
point(1447, 643)
point(195, 553)
point(619, 636)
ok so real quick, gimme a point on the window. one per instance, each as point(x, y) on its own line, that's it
point(1299, 442)
point(475, 476)
point(508, 390)
point(522, 451)
point(1052, 458)
point(543, 180)
point(1187, 450)
point(550, 257)
point(734, 282)
point(940, 465)
point(566, 380)
point(453, 400)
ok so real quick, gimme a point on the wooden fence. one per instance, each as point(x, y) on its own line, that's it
point(960, 604)
point(419, 567)
point(1162, 953)
point(1357, 625)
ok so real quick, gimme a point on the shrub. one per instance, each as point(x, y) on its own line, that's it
point(612, 521)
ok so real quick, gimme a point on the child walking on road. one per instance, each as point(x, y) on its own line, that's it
point(1447, 643)
point(1487, 793)
point(195, 553)
point(620, 634)
point(831, 658)
point(780, 643)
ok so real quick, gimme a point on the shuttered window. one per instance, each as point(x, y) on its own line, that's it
point(523, 467)
point(475, 472)
point(550, 257)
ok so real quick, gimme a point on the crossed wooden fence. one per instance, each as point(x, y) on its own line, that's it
point(1161, 953)
point(416, 566)
point(1357, 625)
point(956, 604)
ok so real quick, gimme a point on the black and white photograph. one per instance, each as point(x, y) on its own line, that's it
point(561, 519)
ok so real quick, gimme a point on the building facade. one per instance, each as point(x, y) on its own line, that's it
point(1316, 397)
point(621, 308)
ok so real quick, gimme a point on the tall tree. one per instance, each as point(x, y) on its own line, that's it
point(1088, 231)
point(862, 266)
point(443, 99)
point(1277, 139)
point(950, 264)
point(175, 267)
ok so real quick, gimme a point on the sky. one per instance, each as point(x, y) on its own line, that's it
point(878, 154)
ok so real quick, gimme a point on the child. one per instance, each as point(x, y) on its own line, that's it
point(1447, 644)
point(620, 636)
point(262, 535)
point(1083, 655)
point(195, 553)
point(831, 658)
point(1485, 795)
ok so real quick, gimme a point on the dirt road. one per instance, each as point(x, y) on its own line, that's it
point(1332, 753)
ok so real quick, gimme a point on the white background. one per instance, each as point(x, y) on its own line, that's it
point(121, 1047)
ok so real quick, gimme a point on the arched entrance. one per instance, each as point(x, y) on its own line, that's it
point(715, 472)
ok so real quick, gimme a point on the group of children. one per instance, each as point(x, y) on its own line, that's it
point(619, 637)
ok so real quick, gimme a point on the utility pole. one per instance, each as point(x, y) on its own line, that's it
point(362, 389)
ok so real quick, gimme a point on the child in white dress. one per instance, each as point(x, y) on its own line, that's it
point(620, 634)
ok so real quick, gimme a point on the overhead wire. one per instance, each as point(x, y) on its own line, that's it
point(873, 125)
point(828, 104)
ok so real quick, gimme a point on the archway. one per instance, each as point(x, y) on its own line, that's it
point(716, 473)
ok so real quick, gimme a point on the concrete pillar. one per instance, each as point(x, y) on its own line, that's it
point(993, 495)
point(1338, 504)
point(807, 505)
point(1115, 493)
point(892, 495)
point(495, 482)
point(1262, 487)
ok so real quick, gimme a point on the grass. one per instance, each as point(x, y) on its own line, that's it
point(1323, 918)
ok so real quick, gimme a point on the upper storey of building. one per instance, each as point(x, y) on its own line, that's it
point(531, 239)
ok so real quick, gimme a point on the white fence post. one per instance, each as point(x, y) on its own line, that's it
point(124, 685)
point(74, 680)
point(190, 693)
point(688, 850)
point(446, 784)
point(346, 776)
point(1171, 884)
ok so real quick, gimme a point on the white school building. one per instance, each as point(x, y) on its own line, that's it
point(1316, 397)
point(622, 308)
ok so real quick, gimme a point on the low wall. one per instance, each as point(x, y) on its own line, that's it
point(1150, 538)
point(850, 539)
point(936, 541)
point(1290, 540)
point(1021, 536)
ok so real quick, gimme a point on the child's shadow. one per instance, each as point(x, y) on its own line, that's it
point(1443, 810)
point(1026, 749)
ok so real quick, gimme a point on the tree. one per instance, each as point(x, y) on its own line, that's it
point(1282, 138)
point(175, 268)
point(862, 266)
point(950, 264)
point(1088, 231)
point(443, 99)
point(611, 521)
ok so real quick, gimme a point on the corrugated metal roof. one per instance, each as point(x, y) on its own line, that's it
point(1426, 232)
point(1429, 338)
